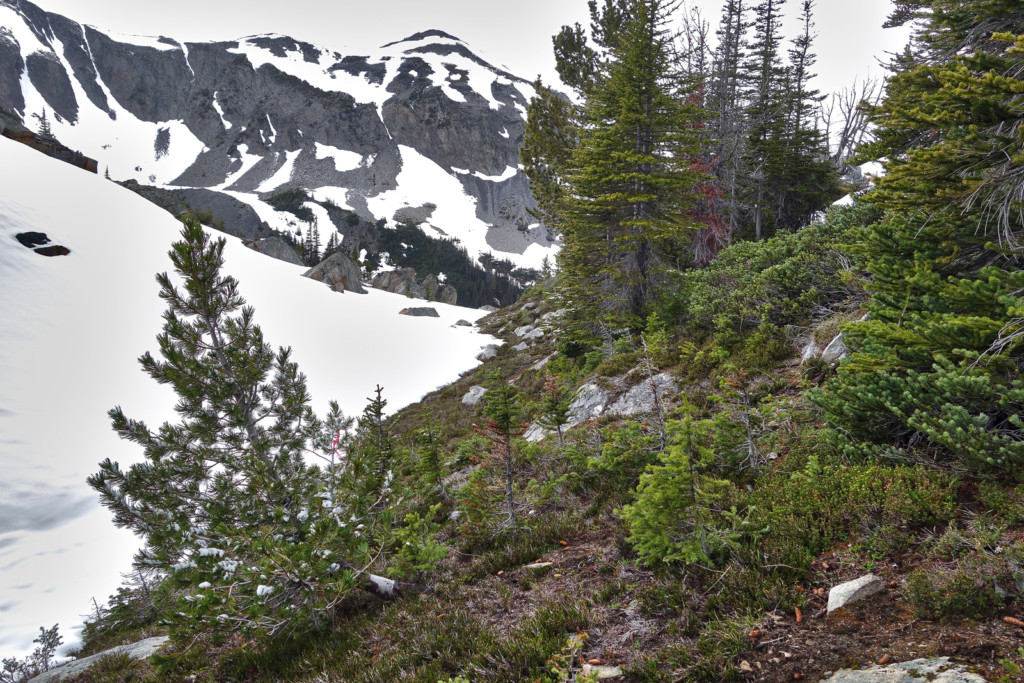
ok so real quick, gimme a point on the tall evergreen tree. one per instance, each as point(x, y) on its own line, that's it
point(726, 104)
point(936, 371)
point(631, 181)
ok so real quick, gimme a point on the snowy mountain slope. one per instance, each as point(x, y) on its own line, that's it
point(267, 113)
point(73, 327)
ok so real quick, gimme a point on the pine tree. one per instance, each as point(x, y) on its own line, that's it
point(726, 105)
point(935, 374)
point(767, 81)
point(224, 501)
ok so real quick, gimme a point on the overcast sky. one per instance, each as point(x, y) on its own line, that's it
point(512, 34)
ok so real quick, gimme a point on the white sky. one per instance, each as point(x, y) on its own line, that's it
point(512, 34)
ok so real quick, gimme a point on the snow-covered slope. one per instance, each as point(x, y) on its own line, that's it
point(376, 134)
point(72, 329)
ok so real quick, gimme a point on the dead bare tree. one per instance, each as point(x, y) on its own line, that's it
point(844, 118)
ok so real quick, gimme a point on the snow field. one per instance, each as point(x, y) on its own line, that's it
point(73, 328)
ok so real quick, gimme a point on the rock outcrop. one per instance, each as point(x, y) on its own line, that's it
point(275, 247)
point(339, 272)
point(404, 281)
point(934, 670)
point(140, 650)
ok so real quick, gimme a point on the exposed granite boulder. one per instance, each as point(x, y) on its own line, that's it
point(836, 350)
point(640, 398)
point(489, 351)
point(589, 403)
point(932, 670)
point(854, 591)
point(140, 650)
point(340, 272)
point(474, 395)
point(276, 247)
point(421, 312)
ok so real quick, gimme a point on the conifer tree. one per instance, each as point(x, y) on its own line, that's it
point(631, 180)
point(503, 409)
point(935, 372)
point(376, 447)
point(254, 537)
point(554, 407)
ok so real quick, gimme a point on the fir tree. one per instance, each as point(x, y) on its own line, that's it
point(224, 501)
point(631, 180)
point(377, 448)
point(44, 124)
point(935, 373)
point(503, 409)
point(554, 407)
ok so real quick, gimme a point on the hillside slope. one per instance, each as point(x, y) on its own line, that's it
point(74, 325)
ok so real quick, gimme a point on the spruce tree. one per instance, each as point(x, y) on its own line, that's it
point(254, 538)
point(935, 374)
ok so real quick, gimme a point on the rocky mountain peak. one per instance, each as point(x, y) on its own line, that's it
point(421, 121)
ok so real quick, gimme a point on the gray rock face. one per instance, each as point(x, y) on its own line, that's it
point(854, 591)
point(140, 650)
point(423, 312)
point(340, 272)
point(471, 125)
point(640, 398)
point(275, 247)
point(589, 403)
point(474, 395)
point(239, 219)
point(836, 350)
point(489, 351)
point(935, 670)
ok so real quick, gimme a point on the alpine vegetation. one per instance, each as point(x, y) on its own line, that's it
point(255, 538)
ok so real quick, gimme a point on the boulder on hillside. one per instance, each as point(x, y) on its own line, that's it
point(340, 272)
point(474, 395)
point(276, 247)
point(143, 649)
point(640, 398)
point(421, 312)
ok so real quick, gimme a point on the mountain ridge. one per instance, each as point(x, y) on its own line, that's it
point(262, 114)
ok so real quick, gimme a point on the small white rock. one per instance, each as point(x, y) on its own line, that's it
point(854, 591)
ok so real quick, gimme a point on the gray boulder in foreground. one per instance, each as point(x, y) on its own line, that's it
point(140, 650)
point(932, 670)
point(854, 591)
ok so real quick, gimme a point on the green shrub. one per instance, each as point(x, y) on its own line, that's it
point(936, 592)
